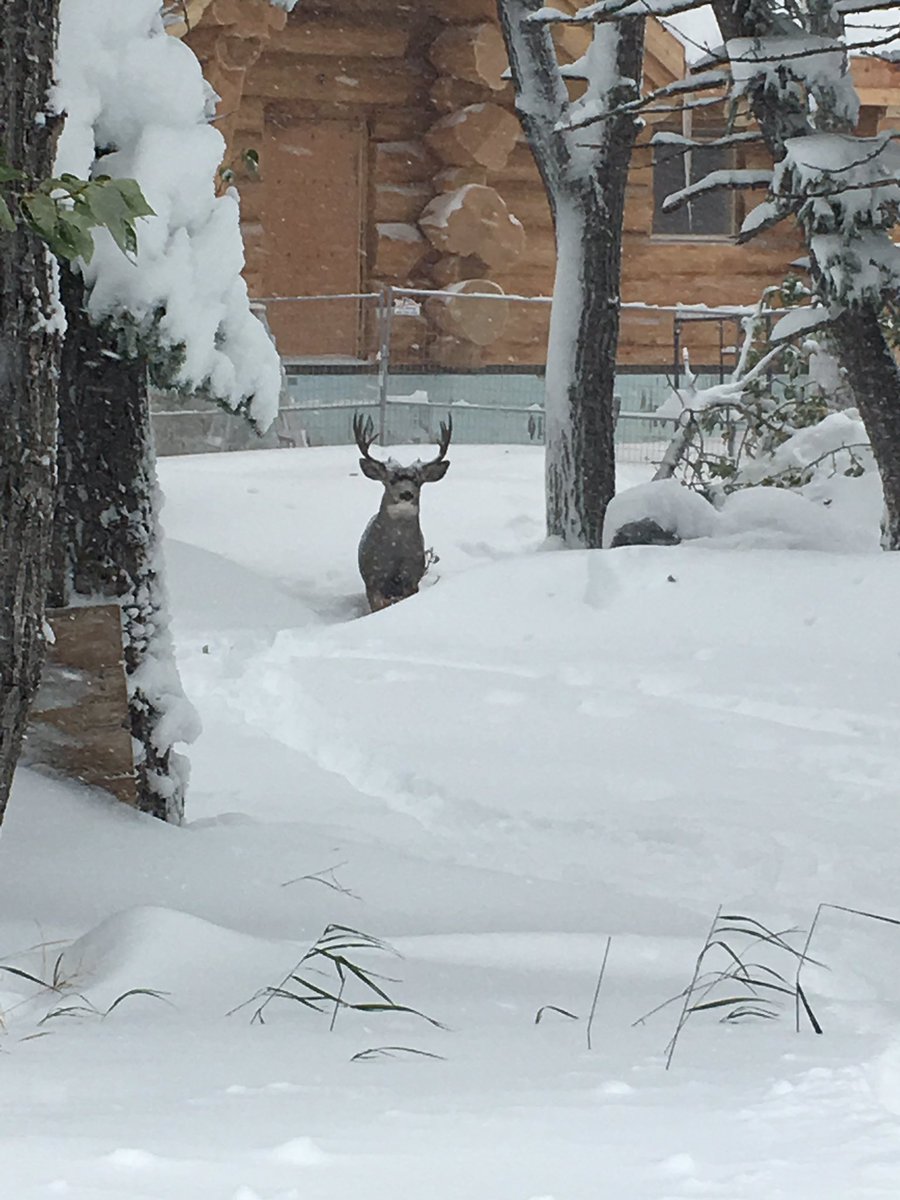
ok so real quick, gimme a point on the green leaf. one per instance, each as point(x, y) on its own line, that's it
point(7, 221)
point(134, 198)
point(41, 214)
point(107, 207)
point(73, 238)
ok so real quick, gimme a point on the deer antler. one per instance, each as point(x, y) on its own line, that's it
point(446, 433)
point(364, 432)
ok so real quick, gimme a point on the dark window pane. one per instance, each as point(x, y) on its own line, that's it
point(669, 167)
point(705, 216)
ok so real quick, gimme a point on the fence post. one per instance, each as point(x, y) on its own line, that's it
point(384, 358)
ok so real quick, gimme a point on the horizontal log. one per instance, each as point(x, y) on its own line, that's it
point(398, 124)
point(527, 202)
point(463, 12)
point(400, 201)
point(402, 162)
point(449, 95)
point(452, 178)
point(519, 166)
point(356, 82)
point(454, 268)
point(399, 248)
point(346, 38)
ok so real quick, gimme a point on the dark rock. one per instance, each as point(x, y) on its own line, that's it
point(644, 533)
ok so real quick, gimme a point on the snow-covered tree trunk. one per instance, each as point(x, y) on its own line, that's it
point(107, 540)
point(857, 334)
point(585, 176)
point(29, 354)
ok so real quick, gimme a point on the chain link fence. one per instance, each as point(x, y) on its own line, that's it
point(407, 357)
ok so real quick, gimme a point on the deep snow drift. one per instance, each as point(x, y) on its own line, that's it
point(540, 751)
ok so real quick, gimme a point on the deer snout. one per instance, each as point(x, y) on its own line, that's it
point(407, 494)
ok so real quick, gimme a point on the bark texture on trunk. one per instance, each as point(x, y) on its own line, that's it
point(107, 540)
point(585, 186)
point(29, 355)
point(862, 349)
point(858, 338)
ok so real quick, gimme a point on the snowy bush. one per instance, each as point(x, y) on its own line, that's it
point(784, 417)
point(137, 107)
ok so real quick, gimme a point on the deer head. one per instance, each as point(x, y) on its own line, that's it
point(392, 549)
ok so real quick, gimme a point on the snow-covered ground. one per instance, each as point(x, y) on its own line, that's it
point(541, 751)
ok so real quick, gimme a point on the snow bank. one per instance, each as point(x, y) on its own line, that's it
point(834, 512)
point(672, 506)
point(137, 107)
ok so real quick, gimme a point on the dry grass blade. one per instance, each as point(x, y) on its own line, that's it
point(26, 975)
point(327, 878)
point(394, 1052)
point(151, 992)
point(545, 1008)
point(805, 958)
point(596, 996)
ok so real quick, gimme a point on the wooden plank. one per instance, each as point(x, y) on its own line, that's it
point(344, 38)
point(356, 82)
point(80, 724)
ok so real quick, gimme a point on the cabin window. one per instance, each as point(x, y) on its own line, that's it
point(708, 216)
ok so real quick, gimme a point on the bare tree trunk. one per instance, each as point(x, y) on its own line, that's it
point(857, 335)
point(585, 174)
point(107, 540)
point(862, 349)
point(29, 356)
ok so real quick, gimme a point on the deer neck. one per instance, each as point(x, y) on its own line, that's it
point(402, 511)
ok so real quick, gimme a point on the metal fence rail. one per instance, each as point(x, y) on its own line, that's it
point(408, 356)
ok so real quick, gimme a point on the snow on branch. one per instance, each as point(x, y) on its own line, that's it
point(679, 141)
point(613, 10)
point(139, 95)
point(717, 181)
point(801, 321)
point(847, 7)
point(817, 63)
point(847, 193)
point(704, 81)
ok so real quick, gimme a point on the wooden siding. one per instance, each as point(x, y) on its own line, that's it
point(422, 83)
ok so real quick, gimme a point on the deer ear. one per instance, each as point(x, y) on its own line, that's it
point(434, 471)
point(372, 469)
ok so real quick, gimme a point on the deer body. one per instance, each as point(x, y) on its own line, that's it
point(392, 549)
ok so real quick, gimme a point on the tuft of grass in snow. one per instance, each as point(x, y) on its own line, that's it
point(752, 988)
point(335, 954)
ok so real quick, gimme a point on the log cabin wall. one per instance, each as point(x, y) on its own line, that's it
point(389, 153)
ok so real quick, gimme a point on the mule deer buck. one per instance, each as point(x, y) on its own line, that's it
point(392, 549)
